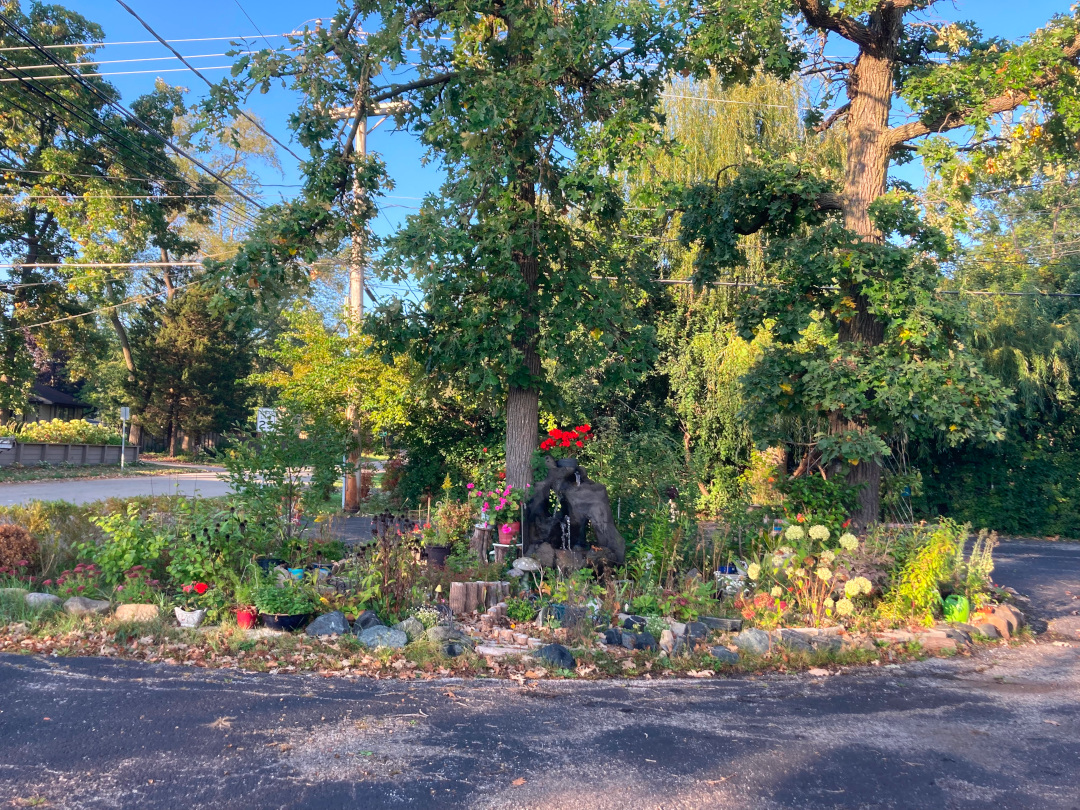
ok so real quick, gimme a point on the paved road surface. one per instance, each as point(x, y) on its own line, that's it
point(206, 485)
point(1000, 730)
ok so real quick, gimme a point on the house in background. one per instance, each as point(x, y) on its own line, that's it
point(47, 403)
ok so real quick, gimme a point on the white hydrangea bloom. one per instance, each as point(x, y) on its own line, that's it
point(851, 588)
point(819, 533)
point(865, 586)
point(828, 557)
point(753, 570)
point(795, 533)
point(776, 592)
point(829, 604)
point(849, 542)
point(823, 573)
point(845, 607)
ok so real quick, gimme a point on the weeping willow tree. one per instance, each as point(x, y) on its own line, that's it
point(715, 130)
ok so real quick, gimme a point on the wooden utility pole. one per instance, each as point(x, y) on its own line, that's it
point(358, 260)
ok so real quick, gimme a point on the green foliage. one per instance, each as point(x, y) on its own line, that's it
point(75, 431)
point(290, 467)
point(129, 540)
point(520, 610)
point(930, 563)
point(812, 499)
point(207, 545)
point(971, 572)
point(290, 599)
point(654, 556)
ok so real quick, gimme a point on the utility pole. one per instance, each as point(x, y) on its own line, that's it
point(357, 262)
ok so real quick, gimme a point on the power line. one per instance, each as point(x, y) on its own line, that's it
point(146, 42)
point(252, 22)
point(194, 70)
point(89, 62)
point(126, 113)
point(55, 265)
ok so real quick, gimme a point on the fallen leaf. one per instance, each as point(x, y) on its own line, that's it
point(518, 782)
point(700, 673)
point(1052, 722)
point(818, 672)
point(535, 673)
point(222, 723)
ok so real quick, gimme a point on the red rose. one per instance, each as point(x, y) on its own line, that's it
point(201, 588)
point(578, 443)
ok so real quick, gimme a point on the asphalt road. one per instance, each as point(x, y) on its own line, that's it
point(1000, 729)
point(206, 485)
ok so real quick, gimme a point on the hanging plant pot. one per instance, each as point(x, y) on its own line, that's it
point(245, 618)
point(436, 555)
point(284, 621)
point(189, 618)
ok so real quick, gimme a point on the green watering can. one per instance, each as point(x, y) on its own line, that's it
point(957, 609)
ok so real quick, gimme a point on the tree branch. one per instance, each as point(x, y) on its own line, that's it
point(834, 116)
point(395, 90)
point(818, 15)
point(1009, 100)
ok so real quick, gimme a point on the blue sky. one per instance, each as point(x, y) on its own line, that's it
point(202, 19)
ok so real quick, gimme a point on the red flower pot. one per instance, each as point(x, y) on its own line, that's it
point(246, 618)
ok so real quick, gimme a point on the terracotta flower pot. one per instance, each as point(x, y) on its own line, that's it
point(245, 618)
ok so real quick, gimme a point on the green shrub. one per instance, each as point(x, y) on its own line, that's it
point(930, 562)
point(130, 540)
point(289, 599)
point(77, 431)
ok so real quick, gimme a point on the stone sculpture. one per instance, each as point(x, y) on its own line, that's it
point(558, 536)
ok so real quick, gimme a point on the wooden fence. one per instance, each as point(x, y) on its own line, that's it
point(32, 453)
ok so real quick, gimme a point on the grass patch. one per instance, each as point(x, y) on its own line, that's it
point(55, 472)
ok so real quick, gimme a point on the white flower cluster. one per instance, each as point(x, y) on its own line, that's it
point(849, 542)
point(795, 533)
point(857, 586)
point(819, 533)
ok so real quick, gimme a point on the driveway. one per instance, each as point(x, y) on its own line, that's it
point(998, 729)
point(206, 485)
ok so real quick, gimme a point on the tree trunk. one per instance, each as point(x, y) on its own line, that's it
point(135, 433)
point(523, 402)
point(870, 92)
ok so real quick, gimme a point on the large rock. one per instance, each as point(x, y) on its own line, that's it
point(544, 554)
point(448, 635)
point(411, 627)
point(1011, 615)
point(647, 641)
point(379, 635)
point(613, 637)
point(794, 640)
point(329, 624)
point(635, 623)
point(137, 613)
point(629, 639)
point(826, 641)
point(557, 656)
point(753, 641)
point(696, 631)
point(724, 655)
point(42, 600)
point(366, 619)
point(81, 606)
point(667, 641)
point(988, 630)
point(725, 625)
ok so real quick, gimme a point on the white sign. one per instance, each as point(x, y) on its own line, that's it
point(125, 414)
point(265, 419)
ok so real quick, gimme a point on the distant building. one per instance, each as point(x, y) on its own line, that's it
point(47, 403)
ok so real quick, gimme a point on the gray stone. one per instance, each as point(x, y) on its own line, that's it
point(379, 635)
point(544, 554)
point(988, 630)
point(556, 655)
point(955, 632)
point(696, 631)
point(724, 625)
point(411, 627)
point(329, 624)
point(667, 641)
point(366, 619)
point(443, 635)
point(827, 642)
point(81, 606)
point(724, 655)
point(41, 600)
point(646, 641)
point(678, 628)
point(526, 564)
point(753, 641)
point(613, 636)
point(794, 640)
point(629, 639)
point(452, 649)
point(137, 613)
point(635, 623)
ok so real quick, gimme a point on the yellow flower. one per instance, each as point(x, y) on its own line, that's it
point(823, 573)
point(845, 607)
point(794, 533)
point(851, 588)
point(849, 542)
point(753, 570)
point(829, 604)
point(776, 592)
point(819, 533)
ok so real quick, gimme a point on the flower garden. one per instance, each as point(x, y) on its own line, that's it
point(267, 580)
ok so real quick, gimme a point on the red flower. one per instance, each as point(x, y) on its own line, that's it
point(186, 589)
point(201, 588)
point(583, 428)
point(578, 443)
point(845, 524)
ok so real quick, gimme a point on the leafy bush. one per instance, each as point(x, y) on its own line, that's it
point(915, 592)
point(289, 599)
point(16, 546)
point(130, 540)
point(813, 499)
point(76, 431)
point(520, 610)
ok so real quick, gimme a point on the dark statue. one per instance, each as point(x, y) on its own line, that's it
point(558, 537)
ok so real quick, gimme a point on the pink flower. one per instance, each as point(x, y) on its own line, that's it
point(469, 486)
point(47, 583)
point(81, 588)
point(486, 505)
point(186, 588)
